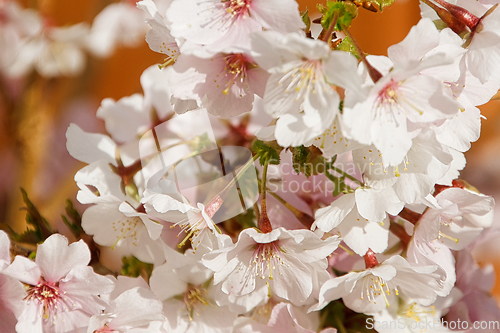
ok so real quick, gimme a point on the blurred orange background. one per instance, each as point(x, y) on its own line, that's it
point(32, 143)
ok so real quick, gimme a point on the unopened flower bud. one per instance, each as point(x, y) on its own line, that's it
point(463, 15)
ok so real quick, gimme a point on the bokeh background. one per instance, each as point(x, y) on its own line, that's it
point(32, 139)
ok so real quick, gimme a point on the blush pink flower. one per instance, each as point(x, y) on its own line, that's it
point(462, 216)
point(372, 290)
point(11, 290)
point(283, 320)
point(290, 262)
point(404, 100)
point(62, 291)
point(226, 83)
point(225, 25)
point(476, 284)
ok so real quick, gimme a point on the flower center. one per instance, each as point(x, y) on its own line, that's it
point(392, 100)
point(195, 223)
point(303, 79)
point(235, 70)
point(266, 259)
point(237, 8)
point(374, 286)
point(127, 227)
point(48, 295)
point(388, 94)
point(194, 297)
point(415, 312)
point(192, 226)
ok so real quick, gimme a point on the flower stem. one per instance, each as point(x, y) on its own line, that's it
point(345, 174)
point(399, 231)
point(410, 215)
point(264, 222)
point(327, 37)
point(370, 259)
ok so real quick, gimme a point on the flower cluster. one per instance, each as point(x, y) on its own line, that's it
point(389, 237)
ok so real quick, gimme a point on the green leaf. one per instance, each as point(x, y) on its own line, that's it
point(339, 187)
point(73, 220)
point(308, 160)
point(134, 267)
point(338, 183)
point(41, 228)
point(307, 20)
point(346, 45)
point(384, 3)
point(267, 151)
point(300, 156)
point(344, 10)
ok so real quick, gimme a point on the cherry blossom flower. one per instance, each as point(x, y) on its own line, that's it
point(116, 219)
point(424, 165)
point(476, 284)
point(224, 26)
point(63, 292)
point(394, 128)
point(369, 204)
point(484, 42)
point(461, 217)
point(134, 310)
point(226, 83)
point(4, 250)
point(113, 169)
point(183, 285)
point(196, 222)
point(132, 116)
point(434, 253)
point(402, 101)
point(359, 233)
point(290, 262)
point(57, 51)
point(371, 290)
point(11, 302)
point(116, 25)
point(282, 320)
point(18, 25)
point(410, 317)
point(333, 142)
point(158, 37)
point(11, 290)
point(299, 90)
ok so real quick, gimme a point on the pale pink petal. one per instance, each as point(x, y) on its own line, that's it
point(24, 270)
point(55, 258)
point(4, 249)
point(125, 118)
point(89, 147)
